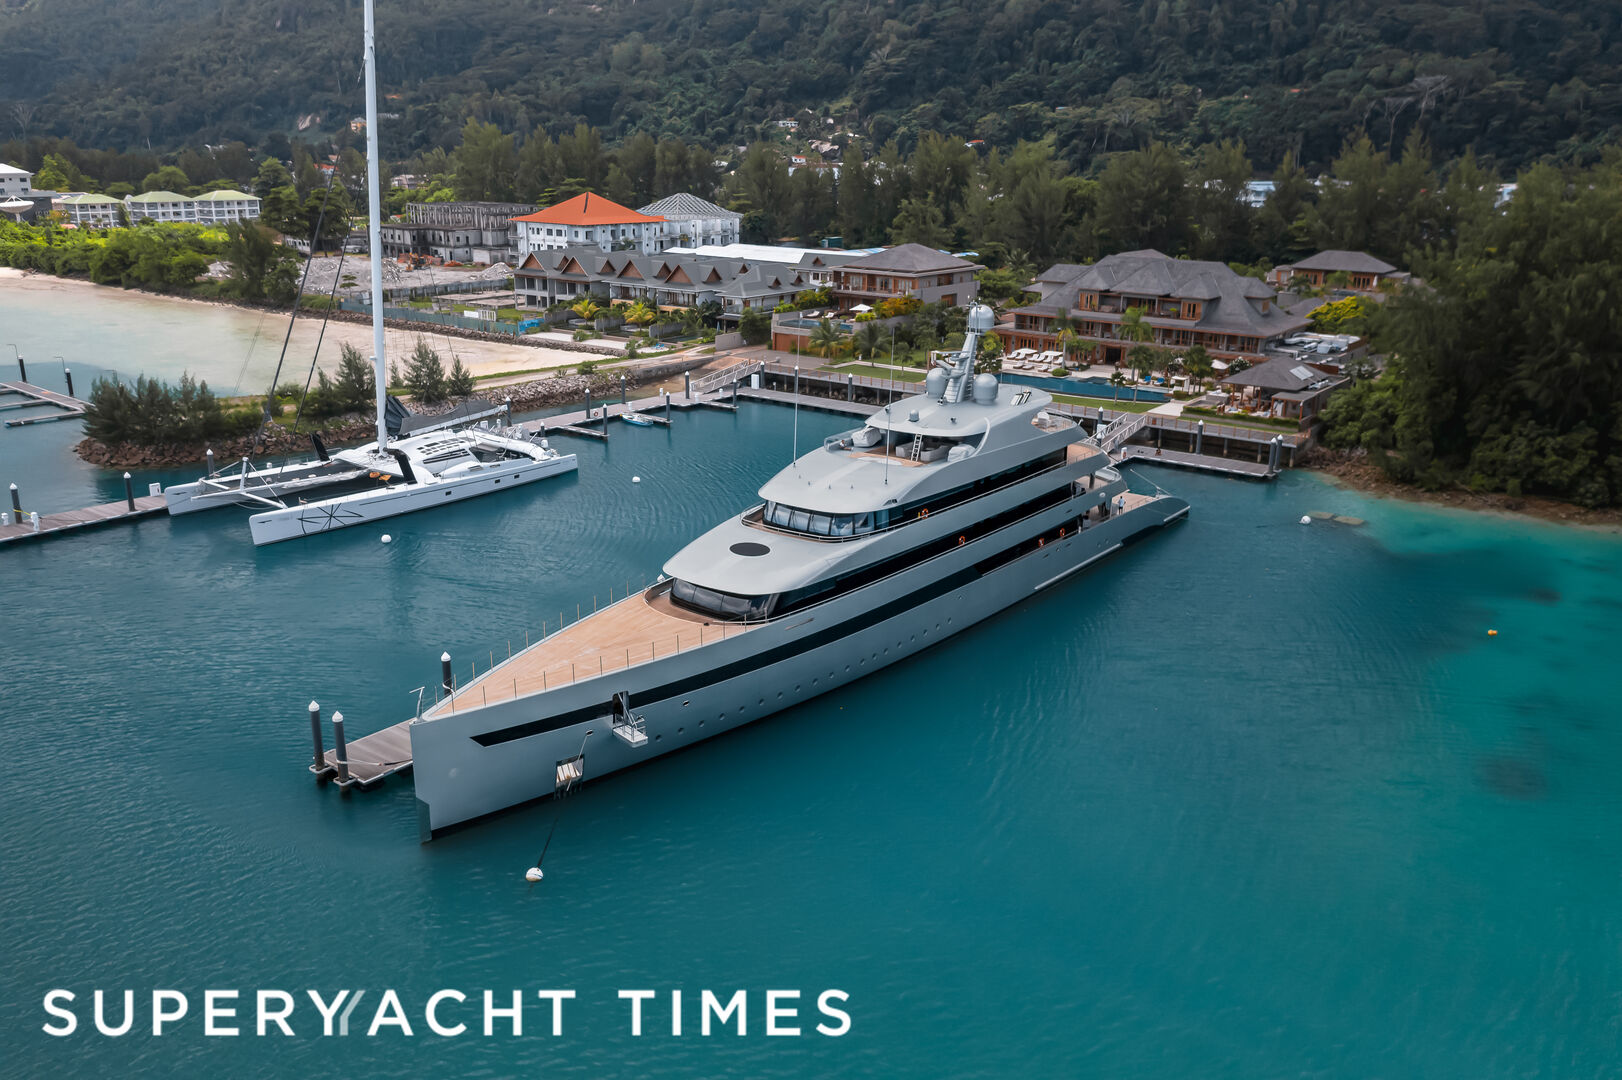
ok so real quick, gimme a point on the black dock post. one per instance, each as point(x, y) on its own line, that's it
point(22, 368)
point(129, 492)
point(69, 376)
point(687, 378)
point(588, 407)
point(667, 406)
point(315, 737)
point(850, 387)
point(1199, 435)
point(16, 503)
point(447, 681)
point(622, 389)
point(734, 393)
point(341, 751)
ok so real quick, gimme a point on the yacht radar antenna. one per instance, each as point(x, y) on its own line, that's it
point(959, 366)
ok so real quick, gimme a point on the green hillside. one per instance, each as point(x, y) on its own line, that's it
point(1515, 79)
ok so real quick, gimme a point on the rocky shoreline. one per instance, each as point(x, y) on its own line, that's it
point(1356, 471)
point(276, 441)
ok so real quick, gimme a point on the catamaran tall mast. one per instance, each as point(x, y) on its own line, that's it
point(374, 227)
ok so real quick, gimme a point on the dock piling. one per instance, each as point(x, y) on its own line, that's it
point(687, 378)
point(340, 747)
point(69, 376)
point(210, 456)
point(588, 407)
point(22, 368)
point(622, 389)
point(320, 765)
point(1199, 435)
point(16, 503)
point(667, 406)
point(129, 491)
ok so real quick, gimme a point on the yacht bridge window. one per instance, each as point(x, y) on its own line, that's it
point(722, 605)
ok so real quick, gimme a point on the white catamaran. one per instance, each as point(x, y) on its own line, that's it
point(382, 479)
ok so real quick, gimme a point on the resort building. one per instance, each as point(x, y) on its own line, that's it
point(90, 211)
point(1180, 303)
point(669, 279)
point(906, 270)
point(219, 207)
point(695, 222)
point(590, 219)
point(1286, 388)
point(1364, 273)
point(159, 206)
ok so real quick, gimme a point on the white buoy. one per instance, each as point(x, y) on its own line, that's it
point(533, 874)
point(1306, 519)
point(387, 539)
point(636, 479)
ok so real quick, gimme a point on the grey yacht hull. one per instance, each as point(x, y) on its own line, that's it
point(475, 762)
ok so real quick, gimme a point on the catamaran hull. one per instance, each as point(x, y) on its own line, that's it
point(469, 764)
point(327, 515)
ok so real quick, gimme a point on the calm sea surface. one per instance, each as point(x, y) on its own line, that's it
point(1252, 799)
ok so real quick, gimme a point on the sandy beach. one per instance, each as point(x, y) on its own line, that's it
point(481, 357)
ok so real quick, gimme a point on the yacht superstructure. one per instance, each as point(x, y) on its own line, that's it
point(939, 511)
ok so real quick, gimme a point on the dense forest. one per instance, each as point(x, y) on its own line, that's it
point(1516, 80)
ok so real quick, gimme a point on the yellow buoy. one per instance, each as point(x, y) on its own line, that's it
point(1492, 633)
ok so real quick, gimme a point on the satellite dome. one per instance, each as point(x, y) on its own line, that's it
point(981, 319)
point(935, 382)
point(985, 389)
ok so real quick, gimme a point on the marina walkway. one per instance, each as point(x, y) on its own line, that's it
point(67, 408)
point(371, 758)
point(67, 520)
point(1250, 470)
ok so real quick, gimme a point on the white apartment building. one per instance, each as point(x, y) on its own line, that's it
point(160, 206)
point(590, 219)
point(90, 211)
point(14, 182)
point(695, 222)
point(218, 207)
point(212, 208)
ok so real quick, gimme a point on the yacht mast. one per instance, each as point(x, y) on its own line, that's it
point(374, 241)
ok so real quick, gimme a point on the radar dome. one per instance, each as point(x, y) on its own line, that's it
point(985, 389)
point(935, 382)
point(981, 319)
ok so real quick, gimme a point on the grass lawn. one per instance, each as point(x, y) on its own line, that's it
point(870, 372)
point(1106, 403)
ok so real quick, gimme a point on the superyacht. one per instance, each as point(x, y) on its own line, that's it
point(939, 511)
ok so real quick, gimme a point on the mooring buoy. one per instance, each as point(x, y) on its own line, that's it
point(387, 539)
point(1306, 519)
point(533, 874)
point(636, 479)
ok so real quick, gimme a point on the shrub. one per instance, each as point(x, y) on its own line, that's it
point(425, 374)
point(460, 382)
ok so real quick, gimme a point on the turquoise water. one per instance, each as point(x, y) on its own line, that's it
point(1251, 799)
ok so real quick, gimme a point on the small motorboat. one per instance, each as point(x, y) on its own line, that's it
point(637, 418)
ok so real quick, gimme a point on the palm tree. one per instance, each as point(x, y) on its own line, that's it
point(870, 339)
point(1197, 362)
point(1133, 328)
point(640, 314)
point(586, 308)
point(826, 339)
point(1068, 341)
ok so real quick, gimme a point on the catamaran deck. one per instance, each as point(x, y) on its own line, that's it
point(634, 631)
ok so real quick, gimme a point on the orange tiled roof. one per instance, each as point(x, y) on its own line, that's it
point(588, 209)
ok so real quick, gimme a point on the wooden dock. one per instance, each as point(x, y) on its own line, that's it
point(68, 408)
point(69, 520)
point(371, 758)
point(595, 425)
point(1249, 470)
